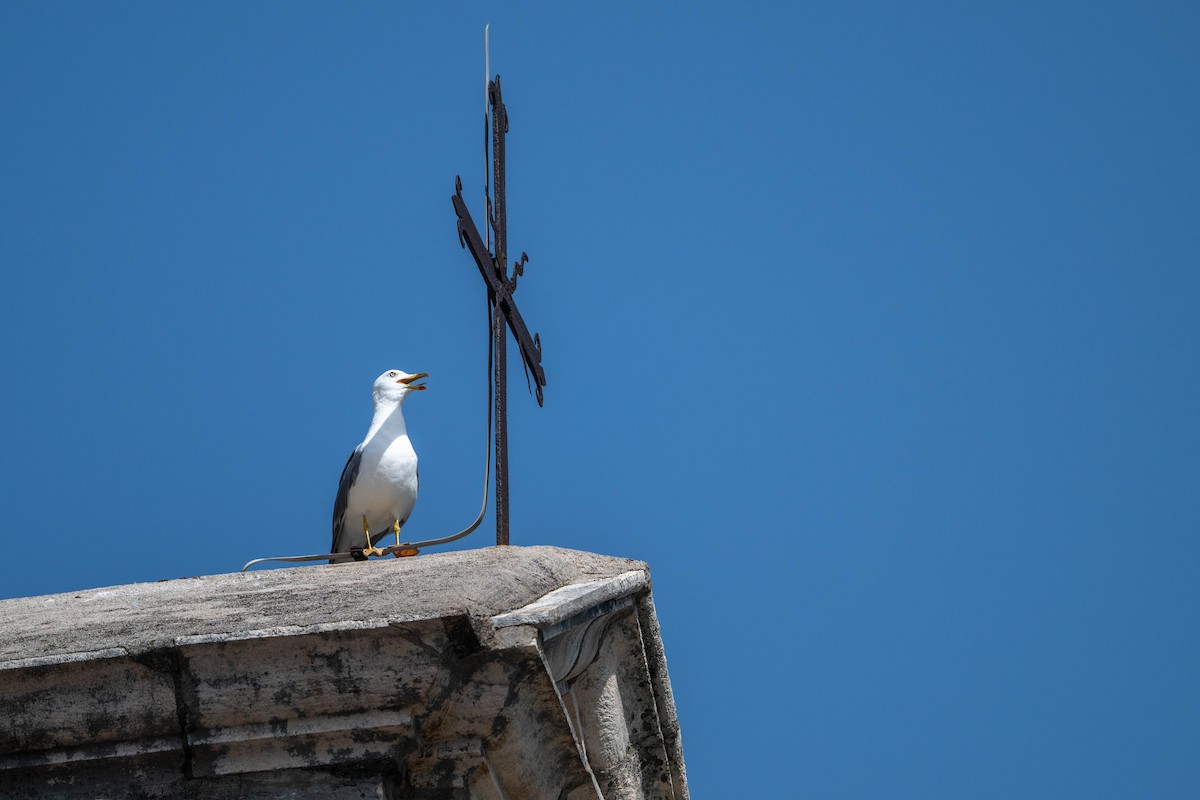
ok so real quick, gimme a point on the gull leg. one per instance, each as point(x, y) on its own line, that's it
point(369, 550)
point(401, 552)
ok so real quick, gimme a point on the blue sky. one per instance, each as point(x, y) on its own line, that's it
point(870, 326)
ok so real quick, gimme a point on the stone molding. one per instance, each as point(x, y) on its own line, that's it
point(516, 672)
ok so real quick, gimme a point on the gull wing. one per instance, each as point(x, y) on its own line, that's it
point(349, 473)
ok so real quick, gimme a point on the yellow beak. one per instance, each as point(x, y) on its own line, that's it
point(409, 381)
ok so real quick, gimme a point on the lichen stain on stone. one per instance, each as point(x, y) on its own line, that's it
point(205, 759)
point(96, 724)
point(303, 749)
point(333, 660)
point(463, 640)
point(368, 736)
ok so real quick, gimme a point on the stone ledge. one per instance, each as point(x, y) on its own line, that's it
point(553, 609)
point(385, 674)
point(149, 616)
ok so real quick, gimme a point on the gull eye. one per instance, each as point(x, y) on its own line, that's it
point(392, 374)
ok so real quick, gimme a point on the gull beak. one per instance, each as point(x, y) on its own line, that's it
point(409, 381)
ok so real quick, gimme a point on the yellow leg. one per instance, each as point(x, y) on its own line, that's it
point(398, 553)
point(369, 550)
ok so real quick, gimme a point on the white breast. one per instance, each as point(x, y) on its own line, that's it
point(386, 487)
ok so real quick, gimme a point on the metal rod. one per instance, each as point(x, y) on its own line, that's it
point(500, 227)
point(501, 433)
point(487, 101)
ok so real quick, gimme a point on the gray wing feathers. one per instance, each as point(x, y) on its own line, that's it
point(349, 473)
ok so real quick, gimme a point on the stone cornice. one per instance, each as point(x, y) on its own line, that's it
point(486, 672)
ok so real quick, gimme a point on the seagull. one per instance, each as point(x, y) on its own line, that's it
point(379, 483)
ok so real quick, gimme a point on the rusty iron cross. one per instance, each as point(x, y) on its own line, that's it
point(493, 268)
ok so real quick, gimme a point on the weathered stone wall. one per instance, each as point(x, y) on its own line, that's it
point(496, 673)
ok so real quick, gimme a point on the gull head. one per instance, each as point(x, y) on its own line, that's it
point(395, 385)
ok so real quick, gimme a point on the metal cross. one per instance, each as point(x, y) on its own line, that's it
point(493, 268)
